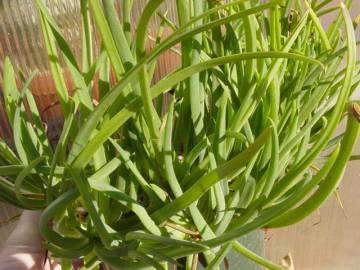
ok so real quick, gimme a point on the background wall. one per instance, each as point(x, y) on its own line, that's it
point(329, 239)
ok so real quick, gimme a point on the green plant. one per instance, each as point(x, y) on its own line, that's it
point(253, 108)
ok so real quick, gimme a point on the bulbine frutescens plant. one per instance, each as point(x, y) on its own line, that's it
point(246, 141)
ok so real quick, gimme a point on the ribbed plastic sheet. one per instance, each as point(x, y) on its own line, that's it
point(21, 40)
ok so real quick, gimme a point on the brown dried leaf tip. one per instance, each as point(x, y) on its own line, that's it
point(81, 214)
point(288, 262)
point(355, 110)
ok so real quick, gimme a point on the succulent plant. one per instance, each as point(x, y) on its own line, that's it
point(239, 137)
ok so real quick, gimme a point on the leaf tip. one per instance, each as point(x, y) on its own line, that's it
point(355, 110)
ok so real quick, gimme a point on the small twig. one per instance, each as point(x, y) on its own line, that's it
point(314, 167)
point(10, 220)
point(181, 229)
point(314, 224)
point(226, 263)
point(194, 261)
point(339, 201)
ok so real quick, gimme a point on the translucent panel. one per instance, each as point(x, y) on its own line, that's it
point(20, 33)
point(21, 39)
